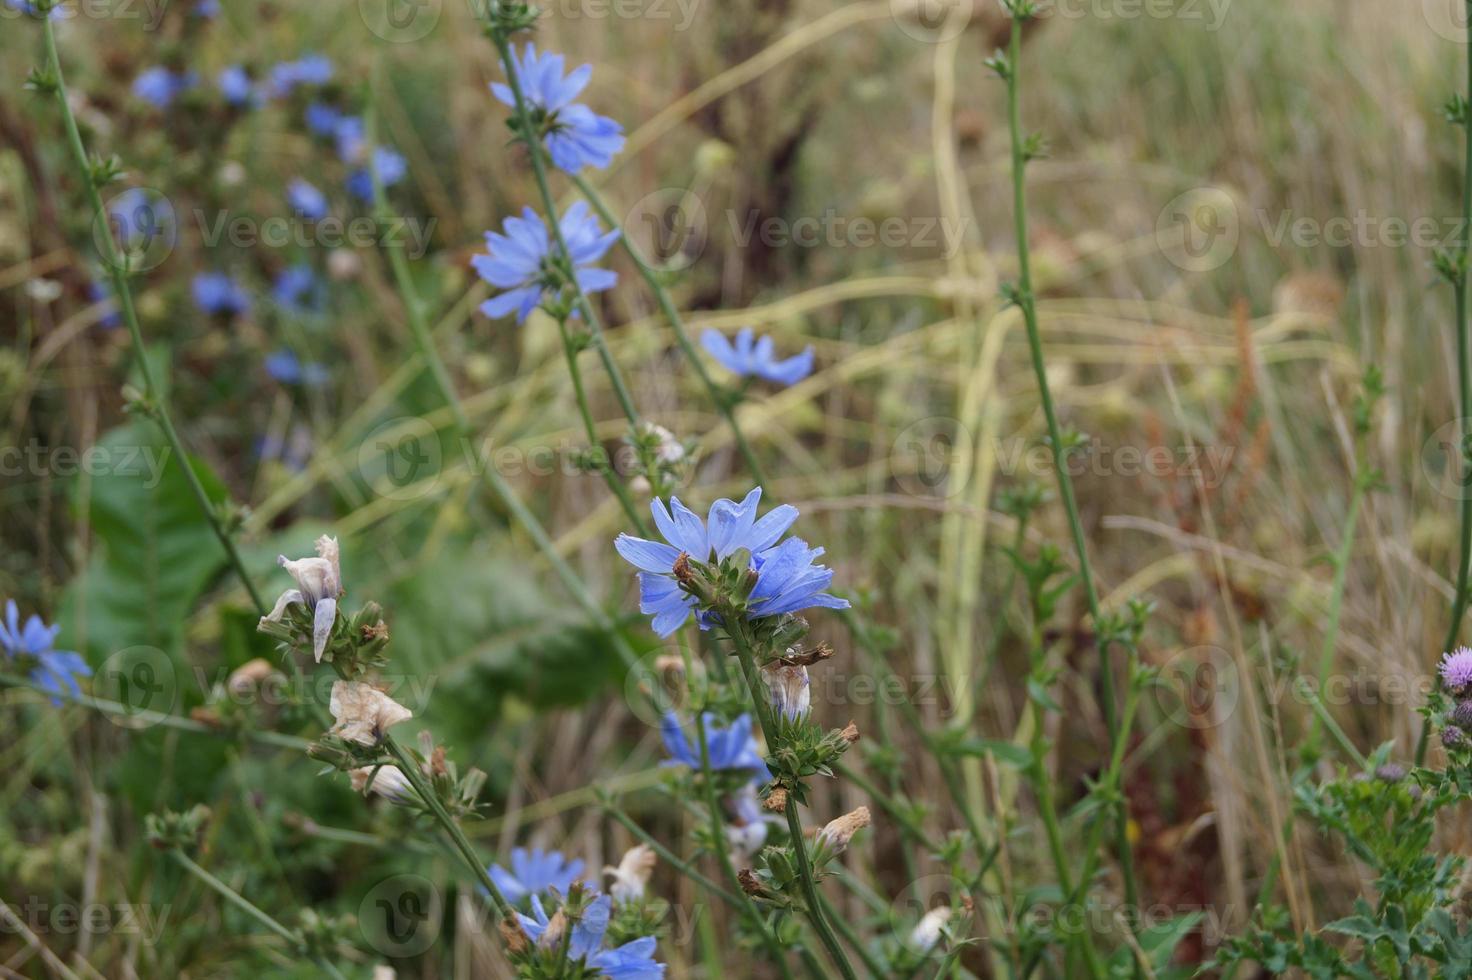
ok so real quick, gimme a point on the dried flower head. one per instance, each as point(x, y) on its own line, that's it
point(250, 675)
point(789, 689)
point(930, 929)
point(363, 712)
point(318, 587)
point(632, 874)
point(840, 831)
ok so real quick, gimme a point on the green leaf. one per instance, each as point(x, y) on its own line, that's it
point(153, 550)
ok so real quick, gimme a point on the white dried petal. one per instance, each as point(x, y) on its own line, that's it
point(363, 712)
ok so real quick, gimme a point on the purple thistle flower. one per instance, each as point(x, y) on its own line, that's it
point(575, 135)
point(1456, 669)
point(519, 261)
point(753, 357)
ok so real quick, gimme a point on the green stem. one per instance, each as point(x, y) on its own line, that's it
point(158, 405)
point(677, 323)
point(410, 768)
point(872, 964)
point(810, 892)
point(537, 152)
point(758, 693)
point(1027, 301)
point(243, 904)
point(609, 476)
point(723, 853)
point(671, 858)
point(145, 719)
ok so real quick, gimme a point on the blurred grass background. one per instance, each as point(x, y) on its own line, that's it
point(895, 448)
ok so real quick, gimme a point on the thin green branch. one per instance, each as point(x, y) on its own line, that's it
point(243, 904)
point(1027, 301)
point(718, 397)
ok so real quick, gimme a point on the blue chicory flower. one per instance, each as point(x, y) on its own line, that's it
point(322, 119)
point(634, 960)
point(297, 289)
point(732, 747)
point(312, 69)
point(237, 88)
point(285, 367)
point(519, 260)
point(753, 357)
point(100, 291)
point(534, 872)
point(138, 217)
point(160, 86)
point(217, 294)
point(30, 9)
point(306, 200)
point(788, 580)
point(391, 169)
point(53, 670)
point(208, 9)
point(576, 136)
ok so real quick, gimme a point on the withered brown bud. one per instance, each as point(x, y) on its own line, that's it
point(378, 631)
point(437, 761)
point(749, 882)
point(513, 935)
point(684, 574)
point(850, 734)
point(776, 800)
point(205, 716)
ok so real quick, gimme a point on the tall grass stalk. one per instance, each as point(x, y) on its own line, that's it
point(157, 399)
point(1021, 10)
point(667, 306)
point(1464, 385)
